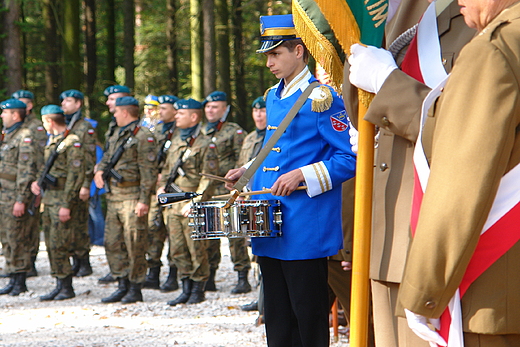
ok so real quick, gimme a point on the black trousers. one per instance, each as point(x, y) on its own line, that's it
point(296, 302)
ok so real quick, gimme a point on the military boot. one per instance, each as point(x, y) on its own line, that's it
point(9, 287)
point(106, 279)
point(84, 268)
point(210, 284)
point(66, 291)
point(134, 294)
point(185, 295)
point(50, 296)
point(75, 265)
point(19, 284)
point(121, 291)
point(171, 282)
point(32, 271)
point(243, 285)
point(152, 278)
point(197, 293)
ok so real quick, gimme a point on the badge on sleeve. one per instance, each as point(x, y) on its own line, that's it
point(40, 129)
point(150, 139)
point(239, 131)
point(27, 140)
point(90, 131)
point(339, 121)
point(151, 157)
point(77, 144)
point(24, 157)
point(76, 163)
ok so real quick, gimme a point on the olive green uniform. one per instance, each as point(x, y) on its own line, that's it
point(69, 170)
point(125, 233)
point(188, 255)
point(228, 141)
point(18, 168)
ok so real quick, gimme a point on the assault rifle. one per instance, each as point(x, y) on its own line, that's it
point(46, 179)
point(161, 156)
point(109, 171)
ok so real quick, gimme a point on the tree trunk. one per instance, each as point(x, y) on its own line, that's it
point(171, 47)
point(110, 41)
point(241, 114)
point(196, 50)
point(210, 63)
point(224, 61)
point(72, 73)
point(90, 51)
point(51, 50)
point(12, 47)
point(3, 66)
point(129, 42)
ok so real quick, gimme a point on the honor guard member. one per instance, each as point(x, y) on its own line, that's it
point(61, 200)
point(228, 137)
point(164, 132)
point(197, 154)
point(112, 93)
point(40, 136)
point(128, 199)
point(396, 111)
point(315, 150)
point(18, 168)
point(71, 103)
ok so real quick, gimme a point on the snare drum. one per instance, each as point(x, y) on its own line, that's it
point(254, 218)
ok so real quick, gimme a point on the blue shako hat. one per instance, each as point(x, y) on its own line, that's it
point(274, 30)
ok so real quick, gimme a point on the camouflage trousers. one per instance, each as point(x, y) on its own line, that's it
point(188, 255)
point(58, 239)
point(15, 234)
point(237, 249)
point(81, 244)
point(35, 233)
point(126, 240)
point(157, 234)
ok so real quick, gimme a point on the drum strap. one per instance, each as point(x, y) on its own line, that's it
point(272, 141)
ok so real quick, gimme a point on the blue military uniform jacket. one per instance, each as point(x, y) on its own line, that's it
point(318, 143)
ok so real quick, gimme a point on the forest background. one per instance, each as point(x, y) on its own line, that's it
point(186, 48)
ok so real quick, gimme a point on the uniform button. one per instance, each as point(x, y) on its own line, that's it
point(444, 61)
point(430, 304)
point(385, 121)
point(383, 166)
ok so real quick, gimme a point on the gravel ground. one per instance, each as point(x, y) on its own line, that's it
point(85, 321)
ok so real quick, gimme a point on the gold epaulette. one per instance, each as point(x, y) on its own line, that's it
point(321, 99)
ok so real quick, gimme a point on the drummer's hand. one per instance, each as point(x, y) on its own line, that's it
point(346, 265)
point(287, 183)
point(234, 175)
point(186, 210)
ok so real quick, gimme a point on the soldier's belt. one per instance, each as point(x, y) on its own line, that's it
point(125, 184)
point(60, 184)
point(8, 177)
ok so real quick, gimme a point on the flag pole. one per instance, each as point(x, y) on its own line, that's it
point(360, 298)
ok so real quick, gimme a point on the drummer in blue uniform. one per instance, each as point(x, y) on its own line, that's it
point(314, 151)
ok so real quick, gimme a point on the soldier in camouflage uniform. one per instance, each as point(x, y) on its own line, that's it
point(164, 132)
point(228, 138)
point(71, 102)
point(198, 155)
point(112, 93)
point(39, 135)
point(60, 200)
point(126, 224)
point(18, 166)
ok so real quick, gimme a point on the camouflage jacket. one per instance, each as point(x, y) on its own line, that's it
point(228, 141)
point(138, 164)
point(252, 144)
point(162, 147)
point(39, 135)
point(68, 169)
point(18, 166)
point(87, 135)
point(200, 157)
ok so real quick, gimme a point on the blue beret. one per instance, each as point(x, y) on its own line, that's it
point(274, 30)
point(22, 94)
point(51, 109)
point(216, 96)
point(72, 93)
point(187, 104)
point(258, 103)
point(12, 104)
point(168, 99)
point(116, 89)
point(127, 101)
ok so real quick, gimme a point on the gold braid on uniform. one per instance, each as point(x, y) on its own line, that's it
point(324, 101)
point(267, 92)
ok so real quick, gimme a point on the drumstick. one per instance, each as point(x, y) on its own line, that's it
point(257, 192)
point(216, 178)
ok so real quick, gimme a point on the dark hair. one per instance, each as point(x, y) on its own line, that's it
point(57, 118)
point(133, 110)
point(291, 45)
